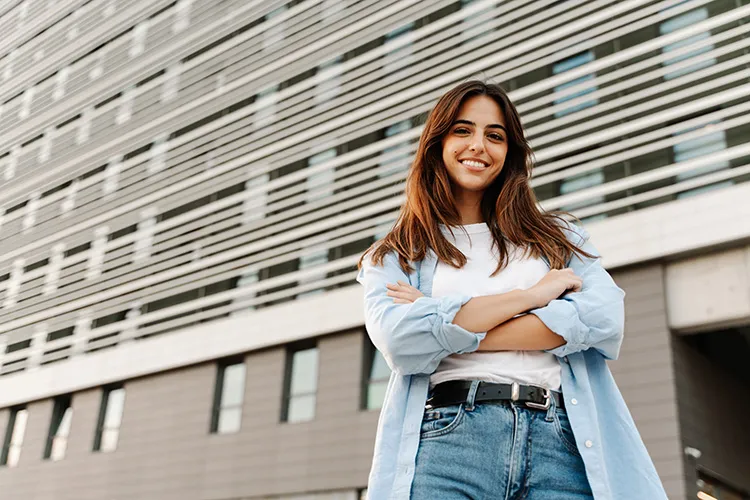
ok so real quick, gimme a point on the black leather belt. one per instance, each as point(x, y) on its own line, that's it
point(456, 392)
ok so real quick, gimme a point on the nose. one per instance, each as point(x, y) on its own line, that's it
point(476, 145)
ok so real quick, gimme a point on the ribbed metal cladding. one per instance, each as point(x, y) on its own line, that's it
point(170, 163)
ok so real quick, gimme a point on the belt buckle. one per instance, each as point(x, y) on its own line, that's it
point(547, 402)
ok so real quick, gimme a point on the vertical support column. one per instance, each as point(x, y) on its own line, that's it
point(138, 42)
point(96, 255)
point(53, 269)
point(144, 236)
point(158, 154)
point(182, 16)
point(46, 147)
point(112, 175)
point(125, 110)
point(10, 167)
point(14, 283)
point(81, 332)
point(38, 339)
point(32, 207)
point(131, 329)
point(171, 82)
point(84, 125)
point(69, 202)
point(26, 99)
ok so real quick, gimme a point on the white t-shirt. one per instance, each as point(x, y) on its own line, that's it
point(525, 367)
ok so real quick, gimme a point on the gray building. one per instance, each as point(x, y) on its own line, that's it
point(187, 187)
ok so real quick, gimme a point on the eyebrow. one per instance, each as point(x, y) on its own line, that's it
point(492, 125)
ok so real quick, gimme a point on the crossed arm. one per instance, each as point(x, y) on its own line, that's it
point(497, 315)
point(415, 336)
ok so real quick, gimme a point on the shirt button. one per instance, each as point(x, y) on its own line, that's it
point(589, 444)
point(574, 401)
point(565, 359)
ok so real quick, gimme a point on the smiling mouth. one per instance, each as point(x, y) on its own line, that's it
point(476, 166)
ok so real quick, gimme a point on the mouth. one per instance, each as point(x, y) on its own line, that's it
point(474, 165)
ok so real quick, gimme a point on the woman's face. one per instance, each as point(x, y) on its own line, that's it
point(475, 146)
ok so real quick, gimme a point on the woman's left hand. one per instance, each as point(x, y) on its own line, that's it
point(403, 293)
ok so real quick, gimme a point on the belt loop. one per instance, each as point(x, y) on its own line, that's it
point(471, 396)
point(551, 410)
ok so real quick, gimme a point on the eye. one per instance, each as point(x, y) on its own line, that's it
point(496, 137)
point(460, 130)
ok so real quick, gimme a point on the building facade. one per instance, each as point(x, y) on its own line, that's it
point(188, 185)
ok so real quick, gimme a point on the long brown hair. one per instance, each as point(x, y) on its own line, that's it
point(508, 205)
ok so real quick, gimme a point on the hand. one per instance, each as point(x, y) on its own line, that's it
point(554, 284)
point(403, 293)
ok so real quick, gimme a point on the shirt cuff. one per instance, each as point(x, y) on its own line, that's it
point(561, 317)
point(452, 337)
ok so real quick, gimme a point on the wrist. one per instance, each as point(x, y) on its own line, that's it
point(530, 299)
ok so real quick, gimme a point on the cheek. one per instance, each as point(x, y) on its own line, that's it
point(499, 153)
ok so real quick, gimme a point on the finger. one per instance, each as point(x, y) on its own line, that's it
point(403, 283)
point(401, 295)
point(401, 301)
point(391, 286)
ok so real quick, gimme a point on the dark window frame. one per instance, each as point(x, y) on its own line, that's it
point(291, 349)
point(62, 403)
point(217, 407)
point(106, 392)
point(9, 429)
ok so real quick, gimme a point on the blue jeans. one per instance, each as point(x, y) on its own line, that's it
point(498, 450)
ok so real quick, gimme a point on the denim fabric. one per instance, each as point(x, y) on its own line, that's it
point(500, 451)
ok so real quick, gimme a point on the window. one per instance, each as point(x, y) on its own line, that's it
point(567, 65)
point(110, 418)
point(376, 374)
point(14, 437)
point(301, 384)
point(709, 142)
point(230, 390)
point(59, 429)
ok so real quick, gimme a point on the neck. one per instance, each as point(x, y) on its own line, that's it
point(469, 205)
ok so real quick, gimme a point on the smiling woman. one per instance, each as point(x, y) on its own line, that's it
point(496, 319)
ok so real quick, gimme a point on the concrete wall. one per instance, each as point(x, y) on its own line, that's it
point(645, 372)
point(165, 451)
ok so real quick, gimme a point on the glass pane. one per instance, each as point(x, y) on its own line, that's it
point(19, 427)
point(233, 388)
point(14, 454)
point(109, 439)
point(115, 405)
point(229, 420)
point(376, 395)
point(58, 448)
point(301, 408)
point(64, 429)
point(380, 369)
point(304, 371)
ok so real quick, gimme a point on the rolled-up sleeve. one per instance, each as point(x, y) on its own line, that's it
point(413, 338)
point(591, 318)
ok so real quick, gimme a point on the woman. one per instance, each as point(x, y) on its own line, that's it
point(496, 320)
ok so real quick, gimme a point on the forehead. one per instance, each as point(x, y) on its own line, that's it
point(481, 110)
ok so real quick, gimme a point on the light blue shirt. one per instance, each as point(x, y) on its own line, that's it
point(413, 338)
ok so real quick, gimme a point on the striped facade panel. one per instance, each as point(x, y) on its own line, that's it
point(150, 185)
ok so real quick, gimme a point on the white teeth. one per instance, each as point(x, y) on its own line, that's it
point(473, 163)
